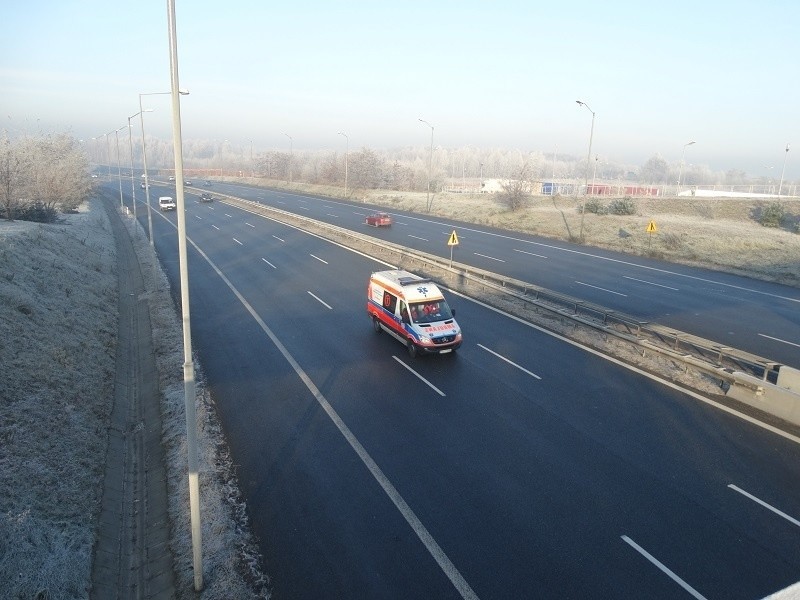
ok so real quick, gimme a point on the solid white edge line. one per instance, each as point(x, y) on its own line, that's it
point(616, 361)
point(411, 518)
point(421, 378)
point(318, 299)
point(764, 504)
point(663, 567)
point(512, 363)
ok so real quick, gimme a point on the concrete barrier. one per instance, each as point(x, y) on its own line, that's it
point(781, 402)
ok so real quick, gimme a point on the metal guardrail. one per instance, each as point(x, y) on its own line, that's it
point(708, 356)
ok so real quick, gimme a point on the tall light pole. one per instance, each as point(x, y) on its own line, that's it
point(188, 365)
point(588, 160)
point(594, 173)
point(680, 171)
point(430, 167)
point(768, 179)
point(553, 186)
point(346, 152)
point(130, 149)
point(108, 153)
point(144, 157)
point(291, 141)
point(119, 169)
point(783, 170)
point(481, 179)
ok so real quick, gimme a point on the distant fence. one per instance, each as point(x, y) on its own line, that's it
point(620, 189)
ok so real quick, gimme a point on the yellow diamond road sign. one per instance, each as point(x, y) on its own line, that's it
point(453, 241)
point(651, 227)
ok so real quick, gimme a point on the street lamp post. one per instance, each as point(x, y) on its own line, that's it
point(144, 157)
point(346, 152)
point(594, 173)
point(119, 169)
point(430, 167)
point(189, 382)
point(108, 153)
point(783, 170)
point(130, 149)
point(680, 171)
point(481, 179)
point(291, 142)
point(588, 160)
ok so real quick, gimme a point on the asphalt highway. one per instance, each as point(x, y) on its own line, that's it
point(760, 317)
point(521, 466)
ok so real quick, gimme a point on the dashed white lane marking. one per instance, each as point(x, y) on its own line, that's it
point(601, 289)
point(651, 283)
point(663, 567)
point(318, 299)
point(764, 504)
point(512, 363)
point(421, 378)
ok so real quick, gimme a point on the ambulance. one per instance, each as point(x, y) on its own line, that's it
point(414, 311)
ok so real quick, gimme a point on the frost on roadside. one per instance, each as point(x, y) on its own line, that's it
point(231, 560)
point(58, 315)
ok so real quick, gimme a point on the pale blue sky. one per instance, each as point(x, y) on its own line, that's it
point(490, 74)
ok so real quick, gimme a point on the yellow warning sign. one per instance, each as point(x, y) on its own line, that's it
point(651, 227)
point(453, 241)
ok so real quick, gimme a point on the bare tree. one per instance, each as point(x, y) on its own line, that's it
point(11, 174)
point(366, 170)
point(517, 189)
point(49, 171)
point(60, 173)
point(655, 170)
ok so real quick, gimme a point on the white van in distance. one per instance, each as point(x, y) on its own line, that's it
point(166, 203)
point(414, 311)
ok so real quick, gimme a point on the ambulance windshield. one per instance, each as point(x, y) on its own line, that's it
point(430, 312)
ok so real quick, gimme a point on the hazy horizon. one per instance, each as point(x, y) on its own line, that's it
point(486, 76)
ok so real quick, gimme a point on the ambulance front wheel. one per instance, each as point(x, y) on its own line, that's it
point(376, 325)
point(412, 349)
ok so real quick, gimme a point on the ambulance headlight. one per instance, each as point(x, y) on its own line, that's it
point(458, 336)
point(425, 340)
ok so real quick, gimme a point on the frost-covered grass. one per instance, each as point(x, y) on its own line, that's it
point(58, 327)
point(58, 318)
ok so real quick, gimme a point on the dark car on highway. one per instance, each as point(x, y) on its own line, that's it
point(206, 197)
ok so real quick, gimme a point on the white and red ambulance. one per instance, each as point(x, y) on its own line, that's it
point(414, 311)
